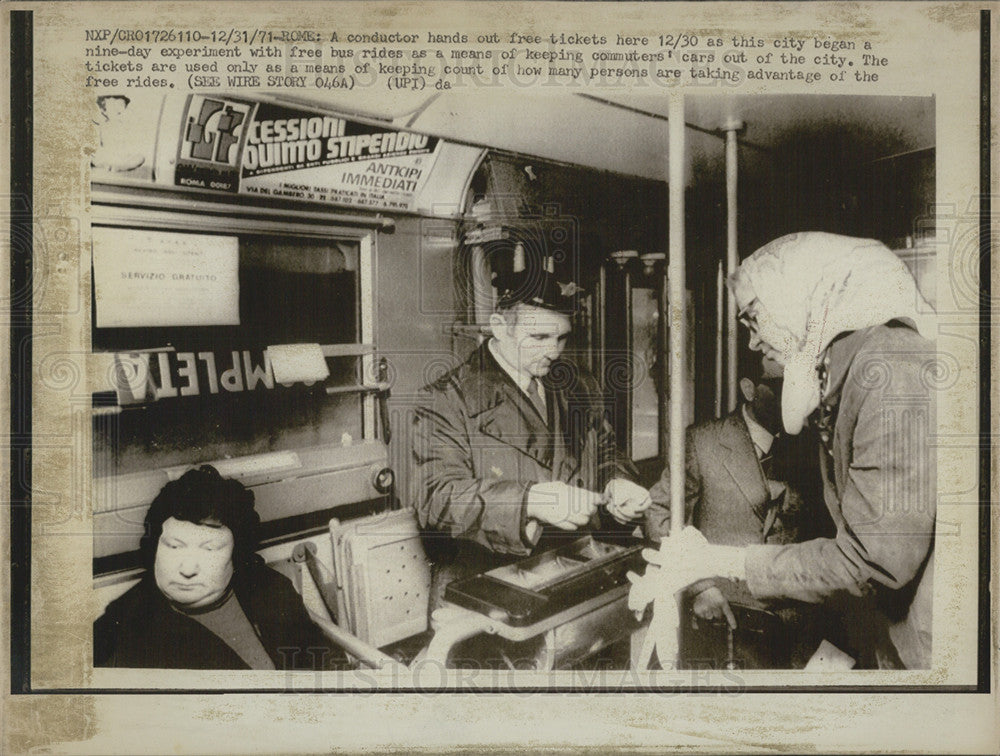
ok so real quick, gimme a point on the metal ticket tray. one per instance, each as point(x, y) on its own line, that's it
point(534, 589)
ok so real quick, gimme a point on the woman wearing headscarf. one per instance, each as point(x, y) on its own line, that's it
point(845, 320)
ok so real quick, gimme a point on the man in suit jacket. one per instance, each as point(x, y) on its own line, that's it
point(744, 484)
point(512, 451)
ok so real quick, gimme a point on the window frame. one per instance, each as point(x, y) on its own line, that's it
point(141, 213)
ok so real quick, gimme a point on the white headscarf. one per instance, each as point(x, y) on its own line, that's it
point(816, 286)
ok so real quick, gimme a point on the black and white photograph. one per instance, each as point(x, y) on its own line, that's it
point(439, 378)
point(527, 368)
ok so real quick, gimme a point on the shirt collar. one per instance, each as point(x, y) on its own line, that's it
point(762, 439)
point(521, 379)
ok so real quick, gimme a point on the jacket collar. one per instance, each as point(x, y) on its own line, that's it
point(762, 438)
point(486, 384)
point(502, 411)
point(840, 356)
point(837, 361)
point(521, 380)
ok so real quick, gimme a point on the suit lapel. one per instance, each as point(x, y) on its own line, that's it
point(740, 460)
point(518, 426)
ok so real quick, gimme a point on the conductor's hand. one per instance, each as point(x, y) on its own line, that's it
point(625, 500)
point(564, 506)
point(711, 605)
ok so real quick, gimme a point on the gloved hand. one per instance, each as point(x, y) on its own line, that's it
point(711, 605)
point(562, 505)
point(683, 558)
point(690, 556)
point(625, 500)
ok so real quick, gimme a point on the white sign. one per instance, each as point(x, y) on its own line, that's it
point(159, 278)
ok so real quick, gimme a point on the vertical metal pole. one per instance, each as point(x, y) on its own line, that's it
point(601, 320)
point(368, 323)
point(663, 395)
point(626, 388)
point(732, 256)
point(676, 277)
point(720, 314)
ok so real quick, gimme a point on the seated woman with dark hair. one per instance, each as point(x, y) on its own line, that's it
point(207, 601)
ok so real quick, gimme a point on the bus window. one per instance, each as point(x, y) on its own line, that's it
point(209, 390)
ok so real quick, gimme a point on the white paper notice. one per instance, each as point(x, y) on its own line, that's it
point(292, 363)
point(159, 278)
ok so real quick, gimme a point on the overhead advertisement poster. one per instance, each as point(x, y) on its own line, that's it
point(275, 151)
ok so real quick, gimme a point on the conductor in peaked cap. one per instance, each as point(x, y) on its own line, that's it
point(512, 452)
